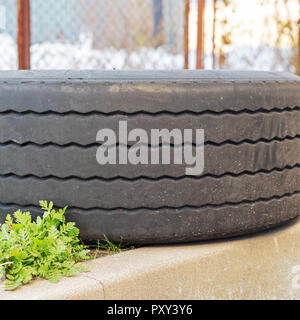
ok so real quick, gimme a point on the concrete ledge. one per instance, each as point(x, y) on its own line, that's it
point(262, 266)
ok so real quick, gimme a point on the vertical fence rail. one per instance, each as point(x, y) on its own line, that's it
point(214, 58)
point(200, 34)
point(24, 34)
point(186, 33)
point(298, 53)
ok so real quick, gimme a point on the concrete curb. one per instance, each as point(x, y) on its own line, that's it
point(263, 266)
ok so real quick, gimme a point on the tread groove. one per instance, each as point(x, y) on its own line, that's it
point(145, 178)
point(225, 204)
point(97, 144)
point(158, 113)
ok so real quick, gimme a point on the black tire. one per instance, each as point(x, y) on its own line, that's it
point(251, 179)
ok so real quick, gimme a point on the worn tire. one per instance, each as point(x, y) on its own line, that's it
point(251, 179)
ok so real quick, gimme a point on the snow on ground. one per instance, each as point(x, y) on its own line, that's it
point(58, 55)
point(8, 53)
point(262, 58)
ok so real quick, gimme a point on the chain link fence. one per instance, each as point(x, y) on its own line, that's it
point(105, 34)
point(98, 34)
point(8, 35)
point(149, 34)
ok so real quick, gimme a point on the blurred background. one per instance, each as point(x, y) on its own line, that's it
point(150, 34)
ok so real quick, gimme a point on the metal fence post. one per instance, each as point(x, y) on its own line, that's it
point(298, 53)
point(186, 33)
point(24, 34)
point(200, 35)
point(214, 64)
